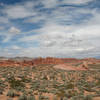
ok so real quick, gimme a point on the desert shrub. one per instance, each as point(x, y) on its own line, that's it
point(43, 90)
point(20, 89)
point(15, 83)
point(45, 77)
point(43, 97)
point(9, 99)
point(22, 97)
point(35, 85)
point(1, 91)
point(53, 91)
point(98, 82)
point(70, 86)
point(65, 98)
point(11, 93)
point(88, 97)
point(79, 97)
point(61, 94)
point(55, 98)
point(30, 91)
point(63, 77)
point(2, 84)
point(98, 92)
point(71, 93)
point(23, 79)
point(30, 98)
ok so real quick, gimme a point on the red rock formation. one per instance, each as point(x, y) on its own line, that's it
point(37, 61)
point(48, 60)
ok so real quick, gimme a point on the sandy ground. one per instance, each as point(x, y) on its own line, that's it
point(69, 67)
point(96, 98)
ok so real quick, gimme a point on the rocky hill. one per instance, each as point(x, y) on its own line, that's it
point(48, 60)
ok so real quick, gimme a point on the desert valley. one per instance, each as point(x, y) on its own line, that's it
point(49, 50)
point(49, 79)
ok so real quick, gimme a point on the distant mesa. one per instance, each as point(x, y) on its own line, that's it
point(61, 63)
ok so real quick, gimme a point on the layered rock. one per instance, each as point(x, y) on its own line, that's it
point(48, 60)
point(33, 62)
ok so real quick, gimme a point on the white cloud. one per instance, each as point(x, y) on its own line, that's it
point(35, 19)
point(15, 47)
point(19, 11)
point(14, 30)
point(76, 1)
point(49, 3)
point(59, 35)
point(55, 3)
point(55, 39)
point(10, 34)
point(2, 28)
point(1, 4)
point(4, 20)
point(6, 39)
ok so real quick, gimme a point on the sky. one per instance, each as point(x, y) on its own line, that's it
point(55, 28)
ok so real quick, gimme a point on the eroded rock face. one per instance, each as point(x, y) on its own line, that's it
point(84, 65)
point(48, 60)
point(37, 61)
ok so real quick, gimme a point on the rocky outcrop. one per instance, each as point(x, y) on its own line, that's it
point(33, 62)
point(83, 65)
point(48, 60)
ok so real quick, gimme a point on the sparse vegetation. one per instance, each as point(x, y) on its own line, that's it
point(45, 82)
point(11, 93)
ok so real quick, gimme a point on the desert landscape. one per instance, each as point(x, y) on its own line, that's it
point(49, 50)
point(49, 79)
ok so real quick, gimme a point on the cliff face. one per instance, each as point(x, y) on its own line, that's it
point(33, 62)
point(48, 60)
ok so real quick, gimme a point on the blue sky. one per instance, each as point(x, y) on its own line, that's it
point(57, 28)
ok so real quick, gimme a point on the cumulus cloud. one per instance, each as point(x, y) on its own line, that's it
point(66, 31)
point(35, 19)
point(57, 39)
point(11, 32)
point(1, 27)
point(50, 3)
point(1, 4)
point(76, 1)
point(19, 11)
point(14, 30)
point(4, 20)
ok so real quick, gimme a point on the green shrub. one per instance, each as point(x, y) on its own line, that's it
point(43, 97)
point(71, 93)
point(65, 98)
point(88, 97)
point(23, 97)
point(55, 98)
point(21, 89)
point(11, 93)
point(70, 86)
point(15, 83)
point(30, 98)
point(1, 91)
point(9, 99)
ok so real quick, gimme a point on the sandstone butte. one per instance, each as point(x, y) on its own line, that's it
point(62, 63)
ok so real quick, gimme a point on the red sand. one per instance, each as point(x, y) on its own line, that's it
point(69, 67)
